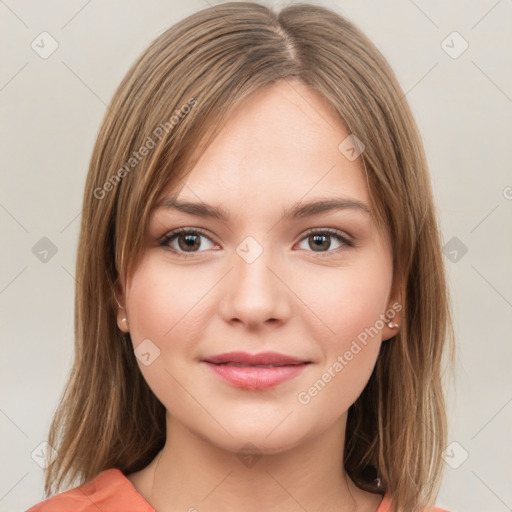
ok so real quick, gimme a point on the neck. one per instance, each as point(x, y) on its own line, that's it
point(190, 473)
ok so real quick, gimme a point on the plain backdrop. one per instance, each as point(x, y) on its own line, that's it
point(454, 62)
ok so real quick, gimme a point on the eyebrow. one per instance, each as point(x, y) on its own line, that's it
point(296, 210)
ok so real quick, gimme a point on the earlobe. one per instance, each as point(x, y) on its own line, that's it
point(122, 321)
point(391, 329)
point(393, 317)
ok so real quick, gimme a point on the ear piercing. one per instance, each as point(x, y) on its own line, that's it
point(393, 325)
point(123, 320)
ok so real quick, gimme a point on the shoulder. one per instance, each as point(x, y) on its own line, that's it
point(110, 491)
point(386, 505)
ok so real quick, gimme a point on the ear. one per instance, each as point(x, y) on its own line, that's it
point(119, 303)
point(394, 311)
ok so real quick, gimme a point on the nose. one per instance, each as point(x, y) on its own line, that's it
point(255, 293)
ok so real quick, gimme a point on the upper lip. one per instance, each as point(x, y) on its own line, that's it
point(262, 358)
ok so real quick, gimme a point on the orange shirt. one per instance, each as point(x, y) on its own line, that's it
point(111, 491)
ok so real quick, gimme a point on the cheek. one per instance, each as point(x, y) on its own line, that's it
point(166, 305)
point(162, 308)
point(163, 303)
point(347, 301)
point(349, 304)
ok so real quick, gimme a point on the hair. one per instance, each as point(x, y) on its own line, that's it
point(174, 100)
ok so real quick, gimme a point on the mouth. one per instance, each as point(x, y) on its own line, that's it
point(255, 371)
point(242, 365)
point(260, 359)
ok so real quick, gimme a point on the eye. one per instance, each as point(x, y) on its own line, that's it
point(322, 240)
point(185, 240)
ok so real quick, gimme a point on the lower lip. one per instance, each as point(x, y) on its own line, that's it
point(254, 377)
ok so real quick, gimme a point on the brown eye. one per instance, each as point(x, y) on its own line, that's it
point(322, 241)
point(186, 241)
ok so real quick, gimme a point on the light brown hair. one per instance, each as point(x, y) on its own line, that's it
point(211, 61)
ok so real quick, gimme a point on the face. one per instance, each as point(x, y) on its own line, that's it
point(271, 275)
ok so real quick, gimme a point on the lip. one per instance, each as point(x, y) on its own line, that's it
point(255, 371)
point(260, 358)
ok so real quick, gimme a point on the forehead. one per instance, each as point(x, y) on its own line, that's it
point(280, 144)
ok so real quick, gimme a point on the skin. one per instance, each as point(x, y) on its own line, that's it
point(280, 147)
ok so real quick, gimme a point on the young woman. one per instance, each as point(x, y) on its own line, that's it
point(261, 306)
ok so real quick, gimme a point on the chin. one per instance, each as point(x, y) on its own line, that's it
point(257, 443)
point(253, 436)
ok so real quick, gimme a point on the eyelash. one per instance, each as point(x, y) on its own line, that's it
point(169, 237)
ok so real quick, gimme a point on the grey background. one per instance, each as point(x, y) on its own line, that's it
point(51, 110)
